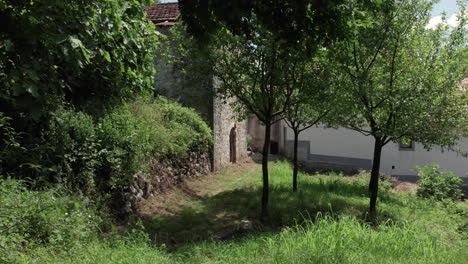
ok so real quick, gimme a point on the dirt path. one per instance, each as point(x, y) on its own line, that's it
point(201, 207)
point(211, 206)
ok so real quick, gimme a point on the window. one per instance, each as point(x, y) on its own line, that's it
point(408, 145)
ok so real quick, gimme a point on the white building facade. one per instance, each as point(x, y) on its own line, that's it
point(347, 149)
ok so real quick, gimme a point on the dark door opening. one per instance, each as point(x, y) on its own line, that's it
point(232, 145)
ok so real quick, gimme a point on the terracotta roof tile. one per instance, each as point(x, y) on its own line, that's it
point(163, 14)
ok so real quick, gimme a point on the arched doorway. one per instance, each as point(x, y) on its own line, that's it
point(232, 145)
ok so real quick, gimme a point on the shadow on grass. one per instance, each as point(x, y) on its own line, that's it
point(218, 216)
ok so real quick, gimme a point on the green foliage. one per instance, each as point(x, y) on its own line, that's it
point(95, 155)
point(9, 139)
point(399, 79)
point(314, 96)
point(30, 219)
point(307, 19)
point(148, 128)
point(75, 50)
point(402, 80)
point(126, 139)
point(326, 239)
point(249, 140)
point(260, 73)
point(435, 184)
point(333, 231)
point(188, 131)
point(72, 152)
point(58, 61)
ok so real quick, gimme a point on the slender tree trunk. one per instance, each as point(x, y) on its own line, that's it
point(266, 151)
point(295, 169)
point(374, 181)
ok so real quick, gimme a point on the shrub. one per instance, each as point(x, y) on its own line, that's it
point(8, 140)
point(95, 155)
point(31, 219)
point(148, 128)
point(187, 128)
point(126, 139)
point(438, 185)
point(249, 140)
point(72, 152)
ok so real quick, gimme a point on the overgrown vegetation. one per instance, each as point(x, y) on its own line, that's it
point(98, 154)
point(77, 107)
point(438, 185)
point(32, 219)
point(74, 51)
point(78, 120)
point(324, 222)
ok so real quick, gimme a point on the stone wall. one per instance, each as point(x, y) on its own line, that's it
point(194, 87)
point(224, 119)
point(190, 86)
point(164, 175)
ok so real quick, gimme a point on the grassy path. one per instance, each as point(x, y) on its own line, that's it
point(324, 222)
point(204, 209)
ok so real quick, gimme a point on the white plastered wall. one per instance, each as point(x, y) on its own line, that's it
point(351, 144)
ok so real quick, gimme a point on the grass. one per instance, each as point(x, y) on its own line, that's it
point(324, 222)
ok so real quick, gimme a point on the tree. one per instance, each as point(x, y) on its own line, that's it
point(291, 21)
point(401, 79)
point(312, 100)
point(59, 55)
point(260, 75)
point(262, 45)
point(73, 51)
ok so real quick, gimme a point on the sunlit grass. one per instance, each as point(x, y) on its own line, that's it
point(324, 222)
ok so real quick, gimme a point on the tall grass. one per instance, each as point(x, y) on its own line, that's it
point(324, 222)
point(330, 240)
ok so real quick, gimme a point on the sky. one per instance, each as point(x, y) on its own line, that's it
point(449, 7)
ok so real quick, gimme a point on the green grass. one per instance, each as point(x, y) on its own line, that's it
point(324, 222)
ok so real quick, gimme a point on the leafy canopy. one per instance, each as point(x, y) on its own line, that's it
point(401, 80)
point(77, 50)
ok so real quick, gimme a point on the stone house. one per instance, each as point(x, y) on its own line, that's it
point(197, 91)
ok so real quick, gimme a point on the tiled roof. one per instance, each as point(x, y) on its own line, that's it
point(164, 14)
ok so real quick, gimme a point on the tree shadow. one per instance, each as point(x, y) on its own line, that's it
point(217, 217)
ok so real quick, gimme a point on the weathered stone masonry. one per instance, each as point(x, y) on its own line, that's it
point(197, 90)
point(224, 119)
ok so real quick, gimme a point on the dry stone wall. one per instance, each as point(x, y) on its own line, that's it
point(164, 175)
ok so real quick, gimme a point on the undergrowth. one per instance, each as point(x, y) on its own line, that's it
point(324, 222)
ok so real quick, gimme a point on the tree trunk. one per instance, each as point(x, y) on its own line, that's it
point(295, 169)
point(266, 151)
point(374, 181)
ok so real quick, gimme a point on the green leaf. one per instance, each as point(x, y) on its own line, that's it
point(75, 43)
point(107, 56)
point(85, 54)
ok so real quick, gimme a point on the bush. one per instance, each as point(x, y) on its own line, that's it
point(72, 151)
point(31, 219)
point(8, 140)
point(438, 185)
point(127, 139)
point(187, 128)
point(148, 128)
point(93, 156)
